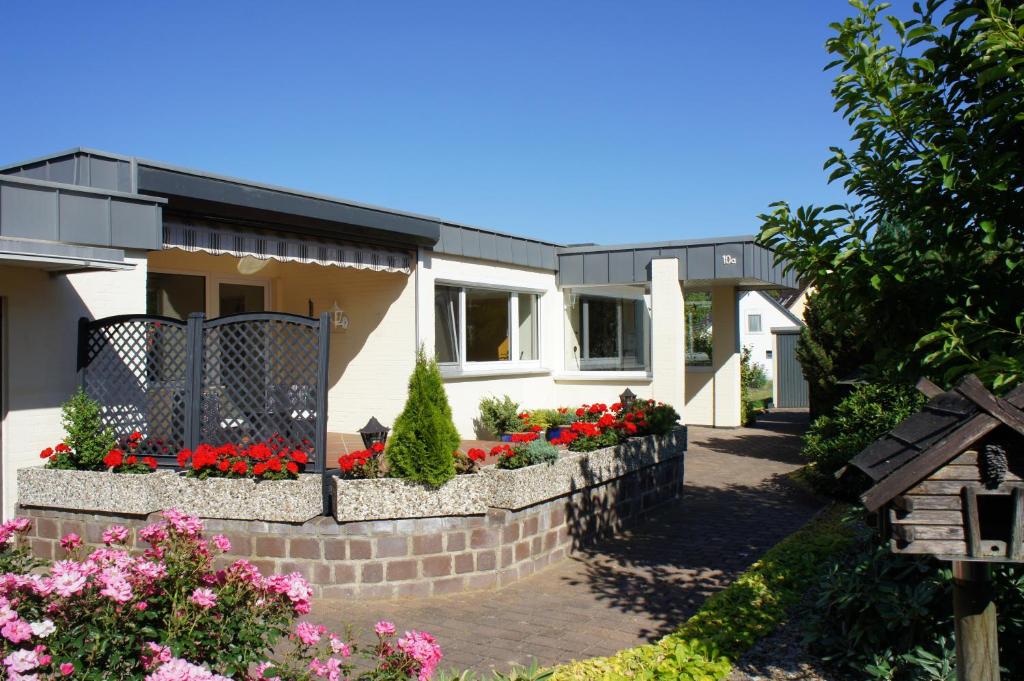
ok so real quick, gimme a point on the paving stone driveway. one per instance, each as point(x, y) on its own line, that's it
point(636, 588)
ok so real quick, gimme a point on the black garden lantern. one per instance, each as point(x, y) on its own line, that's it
point(373, 432)
point(627, 398)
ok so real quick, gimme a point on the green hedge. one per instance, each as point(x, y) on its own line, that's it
point(732, 620)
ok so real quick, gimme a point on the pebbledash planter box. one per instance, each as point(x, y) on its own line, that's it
point(98, 491)
point(289, 501)
point(523, 487)
point(144, 493)
point(393, 498)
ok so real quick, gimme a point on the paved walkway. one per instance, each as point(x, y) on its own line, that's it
point(637, 588)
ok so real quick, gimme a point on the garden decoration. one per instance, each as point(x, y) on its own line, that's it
point(627, 398)
point(373, 432)
point(948, 481)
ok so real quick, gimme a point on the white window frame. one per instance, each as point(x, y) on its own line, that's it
point(512, 363)
point(760, 322)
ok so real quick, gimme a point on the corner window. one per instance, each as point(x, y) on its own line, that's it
point(606, 334)
point(473, 325)
point(754, 323)
point(697, 306)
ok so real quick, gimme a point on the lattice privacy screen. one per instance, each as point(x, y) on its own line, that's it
point(235, 379)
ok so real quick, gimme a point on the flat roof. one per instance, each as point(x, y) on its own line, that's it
point(200, 193)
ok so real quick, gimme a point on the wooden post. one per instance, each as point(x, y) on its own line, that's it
point(974, 611)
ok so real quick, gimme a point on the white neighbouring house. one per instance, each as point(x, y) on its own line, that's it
point(85, 233)
point(759, 313)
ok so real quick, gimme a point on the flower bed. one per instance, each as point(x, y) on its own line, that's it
point(169, 614)
point(100, 491)
point(241, 498)
point(518, 488)
point(392, 498)
point(493, 487)
point(294, 501)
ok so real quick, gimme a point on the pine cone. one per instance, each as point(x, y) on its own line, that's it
point(993, 466)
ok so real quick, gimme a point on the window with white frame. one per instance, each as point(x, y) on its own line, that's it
point(607, 333)
point(754, 323)
point(474, 325)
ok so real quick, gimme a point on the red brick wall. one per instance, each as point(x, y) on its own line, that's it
point(397, 558)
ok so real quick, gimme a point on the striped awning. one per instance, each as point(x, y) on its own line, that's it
point(223, 240)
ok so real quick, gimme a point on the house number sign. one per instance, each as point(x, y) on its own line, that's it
point(728, 259)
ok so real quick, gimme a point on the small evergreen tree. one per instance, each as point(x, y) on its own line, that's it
point(424, 437)
point(87, 437)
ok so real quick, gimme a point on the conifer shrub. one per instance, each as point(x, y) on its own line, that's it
point(424, 436)
point(88, 441)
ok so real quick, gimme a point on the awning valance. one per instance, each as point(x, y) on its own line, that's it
point(222, 240)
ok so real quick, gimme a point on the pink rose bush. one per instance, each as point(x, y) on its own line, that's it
point(166, 614)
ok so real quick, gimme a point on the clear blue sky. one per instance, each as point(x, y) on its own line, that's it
point(593, 121)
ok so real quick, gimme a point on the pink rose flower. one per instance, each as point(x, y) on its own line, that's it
point(115, 534)
point(309, 633)
point(204, 598)
point(67, 669)
point(70, 541)
point(16, 630)
point(384, 628)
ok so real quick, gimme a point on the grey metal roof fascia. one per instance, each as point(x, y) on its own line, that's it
point(597, 248)
point(67, 152)
point(37, 250)
point(510, 235)
point(83, 189)
point(283, 190)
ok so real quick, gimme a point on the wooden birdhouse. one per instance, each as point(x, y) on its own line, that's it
point(949, 480)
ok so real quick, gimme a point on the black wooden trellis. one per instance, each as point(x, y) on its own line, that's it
point(235, 379)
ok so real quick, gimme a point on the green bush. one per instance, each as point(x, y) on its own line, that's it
point(751, 377)
point(661, 418)
point(885, 616)
point(424, 437)
point(608, 438)
point(88, 439)
point(529, 454)
point(732, 620)
point(866, 413)
point(500, 415)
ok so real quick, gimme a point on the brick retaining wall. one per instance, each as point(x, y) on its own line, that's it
point(398, 558)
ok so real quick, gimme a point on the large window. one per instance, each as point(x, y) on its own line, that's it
point(698, 328)
point(607, 334)
point(175, 295)
point(474, 325)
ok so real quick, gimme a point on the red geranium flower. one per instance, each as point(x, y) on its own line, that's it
point(299, 456)
point(114, 458)
point(62, 448)
point(46, 453)
point(377, 447)
point(476, 454)
point(150, 461)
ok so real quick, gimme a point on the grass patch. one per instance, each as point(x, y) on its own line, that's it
point(762, 393)
point(732, 620)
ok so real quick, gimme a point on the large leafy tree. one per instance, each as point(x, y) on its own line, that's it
point(922, 273)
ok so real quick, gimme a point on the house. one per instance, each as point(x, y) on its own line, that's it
point(759, 313)
point(94, 234)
